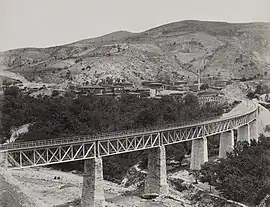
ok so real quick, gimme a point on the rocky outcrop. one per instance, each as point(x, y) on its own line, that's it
point(134, 177)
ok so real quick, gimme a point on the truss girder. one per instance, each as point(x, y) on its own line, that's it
point(146, 141)
point(128, 144)
point(51, 155)
point(204, 130)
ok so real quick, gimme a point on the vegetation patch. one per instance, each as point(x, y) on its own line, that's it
point(244, 176)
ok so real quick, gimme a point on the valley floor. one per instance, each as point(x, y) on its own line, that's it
point(47, 188)
point(42, 185)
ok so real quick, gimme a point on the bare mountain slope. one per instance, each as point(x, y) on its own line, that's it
point(169, 52)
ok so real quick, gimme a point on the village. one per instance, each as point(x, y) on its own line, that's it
point(148, 89)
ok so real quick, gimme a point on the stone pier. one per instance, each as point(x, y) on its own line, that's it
point(243, 133)
point(156, 179)
point(199, 153)
point(226, 143)
point(253, 126)
point(92, 190)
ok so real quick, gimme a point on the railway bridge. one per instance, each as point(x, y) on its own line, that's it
point(92, 149)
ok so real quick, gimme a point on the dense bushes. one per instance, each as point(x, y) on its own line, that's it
point(244, 175)
point(260, 89)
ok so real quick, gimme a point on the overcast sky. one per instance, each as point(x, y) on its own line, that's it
point(41, 23)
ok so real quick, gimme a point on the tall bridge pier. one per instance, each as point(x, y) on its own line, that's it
point(243, 133)
point(156, 179)
point(248, 132)
point(254, 134)
point(199, 153)
point(226, 143)
point(92, 190)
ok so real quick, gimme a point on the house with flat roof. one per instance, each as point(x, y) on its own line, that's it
point(144, 92)
point(93, 89)
point(126, 85)
point(180, 83)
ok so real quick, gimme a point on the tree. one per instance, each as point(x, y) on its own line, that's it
point(55, 93)
point(191, 100)
point(250, 95)
point(176, 152)
point(208, 173)
point(12, 91)
point(204, 86)
point(262, 89)
point(267, 128)
point(196, 174)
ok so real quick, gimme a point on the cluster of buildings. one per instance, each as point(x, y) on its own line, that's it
point(114, 90)
point(148, 89)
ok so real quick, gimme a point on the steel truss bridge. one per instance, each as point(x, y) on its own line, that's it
point(53, 151)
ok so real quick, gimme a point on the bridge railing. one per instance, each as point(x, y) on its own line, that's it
point(109, 135)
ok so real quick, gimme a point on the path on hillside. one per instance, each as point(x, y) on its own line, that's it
point(12, 75)
point(6, 73)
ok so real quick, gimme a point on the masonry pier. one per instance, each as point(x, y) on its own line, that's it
point(226, 143)
point(254, 134)
point(199, 153)
point(156, 179)
point(243, 133)
point(93, 191)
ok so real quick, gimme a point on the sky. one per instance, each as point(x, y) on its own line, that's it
point(43, 23)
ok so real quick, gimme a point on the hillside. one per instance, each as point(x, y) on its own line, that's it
point(166, 53)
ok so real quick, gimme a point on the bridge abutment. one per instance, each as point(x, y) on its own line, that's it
point(254, 133)
point(243, 133)
point(3, 159)
point(199, 153)
point(92, 190)
point(156, 179)
point(226, 143)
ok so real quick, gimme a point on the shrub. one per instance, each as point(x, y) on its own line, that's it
point(12, 91)
point(55, 93)
point(204, 86)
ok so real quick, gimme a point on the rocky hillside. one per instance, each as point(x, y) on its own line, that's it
point(167, 53)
